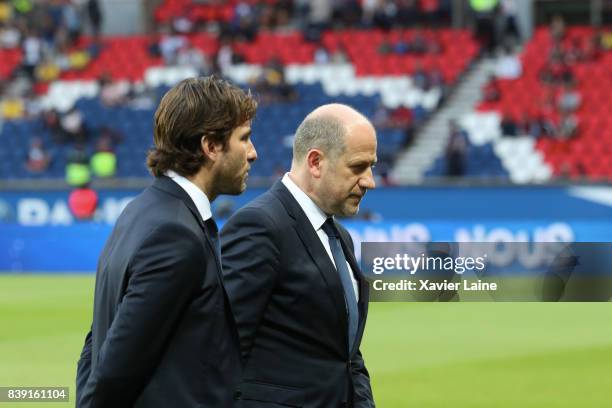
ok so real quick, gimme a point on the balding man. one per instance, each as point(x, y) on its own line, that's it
point(297, 293)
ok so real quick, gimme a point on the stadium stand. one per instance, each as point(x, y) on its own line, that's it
point(399, 77)
point(540, 151)
point(374, 83)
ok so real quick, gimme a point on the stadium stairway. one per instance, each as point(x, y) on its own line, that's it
point(430, 142)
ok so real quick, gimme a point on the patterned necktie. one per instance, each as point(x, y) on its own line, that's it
point(345, 277)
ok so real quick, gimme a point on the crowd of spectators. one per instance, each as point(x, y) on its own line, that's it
point(55, 36)
point(556, 114)
point(48, 33)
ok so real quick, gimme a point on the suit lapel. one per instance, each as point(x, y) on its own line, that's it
point(167, 185)
point(315, 249)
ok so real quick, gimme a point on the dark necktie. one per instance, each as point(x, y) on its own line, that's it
point(345, 277)
point(213, 233)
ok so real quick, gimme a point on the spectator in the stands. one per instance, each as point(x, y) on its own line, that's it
point(226, 56)
point(169, 46)
point(593, 47)
point(244, 24)
point(104, 161)
point(407, 13)
point(436, 81)
point(77, 166)
point(38, 159)
point(568, 125)
point(557, 72)
point(271, 85)
point(273, 16)
point(456, 151)
point(548, 102)
point(95, 16)
point(605, 40)
point(543, 126)
point(71, 21)
point(6, 12)
point(73, 126)
point(575, 52)
point(569, 98)
point(509, 27)
point(10, 36)
point(51, 122)
point(492, 90)
point(557, 27)
point(484, 12)
point(382, 116)
point(368, 7)
point(508, 65)
point(32, 104)
point(382, 15)
point(530, 125)
point(508, 126)
point(385, 47)
point(191, 56)
point(109, 136)
point(346, 13)
point(321, 55)
point(12, 107)
point(32, 47)
point(340, 55)
point(113, 93)
point(392, 118)
point(402, 45)
point(411, 43)
point(317, 18)
point(420, 77)
point(182, 23)
point(420, 44)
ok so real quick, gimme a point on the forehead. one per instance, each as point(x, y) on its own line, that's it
point(242, 129)
point(360, 141)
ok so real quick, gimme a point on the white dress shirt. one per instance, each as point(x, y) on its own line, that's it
point(317, 218)
point(198, 197)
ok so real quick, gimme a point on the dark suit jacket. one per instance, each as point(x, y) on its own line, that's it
point(163, 333)
point(289, 305)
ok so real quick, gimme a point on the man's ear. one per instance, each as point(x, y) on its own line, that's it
point(314, 159)
point(210, 148)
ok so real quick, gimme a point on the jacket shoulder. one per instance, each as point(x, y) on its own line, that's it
point(266, 209)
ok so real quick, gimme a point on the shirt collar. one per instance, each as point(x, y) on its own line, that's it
point(198, 197)
point(315, 215)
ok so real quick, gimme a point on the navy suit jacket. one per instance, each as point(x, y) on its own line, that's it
point(163, 334)
point(289, 305)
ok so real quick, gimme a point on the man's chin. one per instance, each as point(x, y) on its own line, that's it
point(236, 189)
point(350, 210)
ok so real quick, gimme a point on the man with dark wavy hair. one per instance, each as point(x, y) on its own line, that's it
point(163, 334)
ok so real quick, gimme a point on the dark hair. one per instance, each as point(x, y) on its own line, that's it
point(196, 107)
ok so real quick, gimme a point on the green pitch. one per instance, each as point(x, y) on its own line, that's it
point(418, 354)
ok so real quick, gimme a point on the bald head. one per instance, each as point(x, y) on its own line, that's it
point(325, 129)
point(343, 113)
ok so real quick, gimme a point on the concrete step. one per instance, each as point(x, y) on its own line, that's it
point(431, 140)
